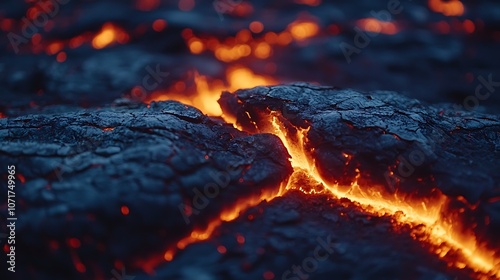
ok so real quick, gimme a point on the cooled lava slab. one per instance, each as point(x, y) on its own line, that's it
point(301, 236)
point(116, 184)
point(398, 144)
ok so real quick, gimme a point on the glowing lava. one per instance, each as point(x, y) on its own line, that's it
point(427, 213)
point(205, 95)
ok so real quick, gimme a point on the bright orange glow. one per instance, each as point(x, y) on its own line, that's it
point(159, 25)
point(405, 211)
point(109, 34)
point(221, 249)
point(61, 57)
point(195, 46)
point(54, 48)
point(205, 96)
point(447, 7)
point(263, 50)
point(376, 26)
point(303, 30)
point(244, 44)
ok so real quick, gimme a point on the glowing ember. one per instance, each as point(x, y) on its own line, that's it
point(427, 213)
point(376, 26)
point(447, 7)
point(109, 34)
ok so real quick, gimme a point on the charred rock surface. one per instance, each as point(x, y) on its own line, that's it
point(398, 144)
point(275, 236)
point(171, 167)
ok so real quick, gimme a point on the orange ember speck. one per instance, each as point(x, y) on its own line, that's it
point(447, 7)
point(221, 249)
point(376, 26)
point(109, 34)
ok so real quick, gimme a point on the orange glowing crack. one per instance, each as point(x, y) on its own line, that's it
point(413, 213)
point(427, 213)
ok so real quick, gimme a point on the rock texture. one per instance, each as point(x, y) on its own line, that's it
point(398, 144)
point(174, 170)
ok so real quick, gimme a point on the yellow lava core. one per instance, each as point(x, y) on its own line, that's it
point(442, 236)
point(405, 212)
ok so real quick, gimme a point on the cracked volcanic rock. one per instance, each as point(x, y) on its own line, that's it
point(82, 167)
point(398, 144)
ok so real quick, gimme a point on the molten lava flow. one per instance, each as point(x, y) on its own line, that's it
point(198, 235)
point(427, 213)
point(442, 236)
point(205, 96)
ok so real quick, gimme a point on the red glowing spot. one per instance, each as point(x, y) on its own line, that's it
point(6, 248)
point(221, 249)
point(76, 41)
point(61, 57)
point(469, 26)
point(74, 243)
point(186, 5)
point(6, 24)
point(240, 239)
point(206, 156)
point(147, 5)
point(159, 25)
point(80, 267)
point(443, 27)
point(108, 129)
point(256, 26)
point(36, 39)
point(334, 29)
point(2, 115)
point(21, 178)
point(54, 48)
point(268, 275)
point(125, 210)
point(250, 217)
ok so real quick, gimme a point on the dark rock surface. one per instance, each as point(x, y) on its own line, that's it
point(265, 239)
point(399, 144)
point(82, 167)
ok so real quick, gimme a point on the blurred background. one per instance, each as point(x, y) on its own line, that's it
point(59, 54)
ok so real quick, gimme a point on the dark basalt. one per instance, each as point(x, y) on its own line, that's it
point(82, 167)
point(398, 144)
